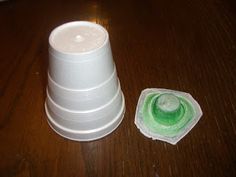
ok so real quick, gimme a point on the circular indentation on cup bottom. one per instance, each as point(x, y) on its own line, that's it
point(78, 38)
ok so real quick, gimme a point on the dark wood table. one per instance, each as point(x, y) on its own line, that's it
point(187, 45)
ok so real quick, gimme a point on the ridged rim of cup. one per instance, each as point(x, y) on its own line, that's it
point(83, 23)
point(119, 115)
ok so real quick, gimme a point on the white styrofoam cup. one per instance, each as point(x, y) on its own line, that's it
point(84, 98)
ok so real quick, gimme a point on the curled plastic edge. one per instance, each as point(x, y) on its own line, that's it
point(172, 140)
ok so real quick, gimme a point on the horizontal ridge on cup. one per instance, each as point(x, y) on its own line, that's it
point(89, 135)
point(80, 76)
point(80, 100)
point(84, 121)
point(88, 115)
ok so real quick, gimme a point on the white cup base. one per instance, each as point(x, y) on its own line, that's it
point(87, 135)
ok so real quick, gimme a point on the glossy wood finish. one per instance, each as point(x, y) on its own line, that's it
point(187, 45)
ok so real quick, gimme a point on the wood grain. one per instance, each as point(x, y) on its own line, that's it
point(187, 45)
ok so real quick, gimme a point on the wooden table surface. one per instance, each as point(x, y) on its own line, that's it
point(187, 45)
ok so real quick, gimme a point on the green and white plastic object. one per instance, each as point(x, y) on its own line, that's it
point(166, 115)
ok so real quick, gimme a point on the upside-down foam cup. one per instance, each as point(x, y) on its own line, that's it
point(84, 98)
